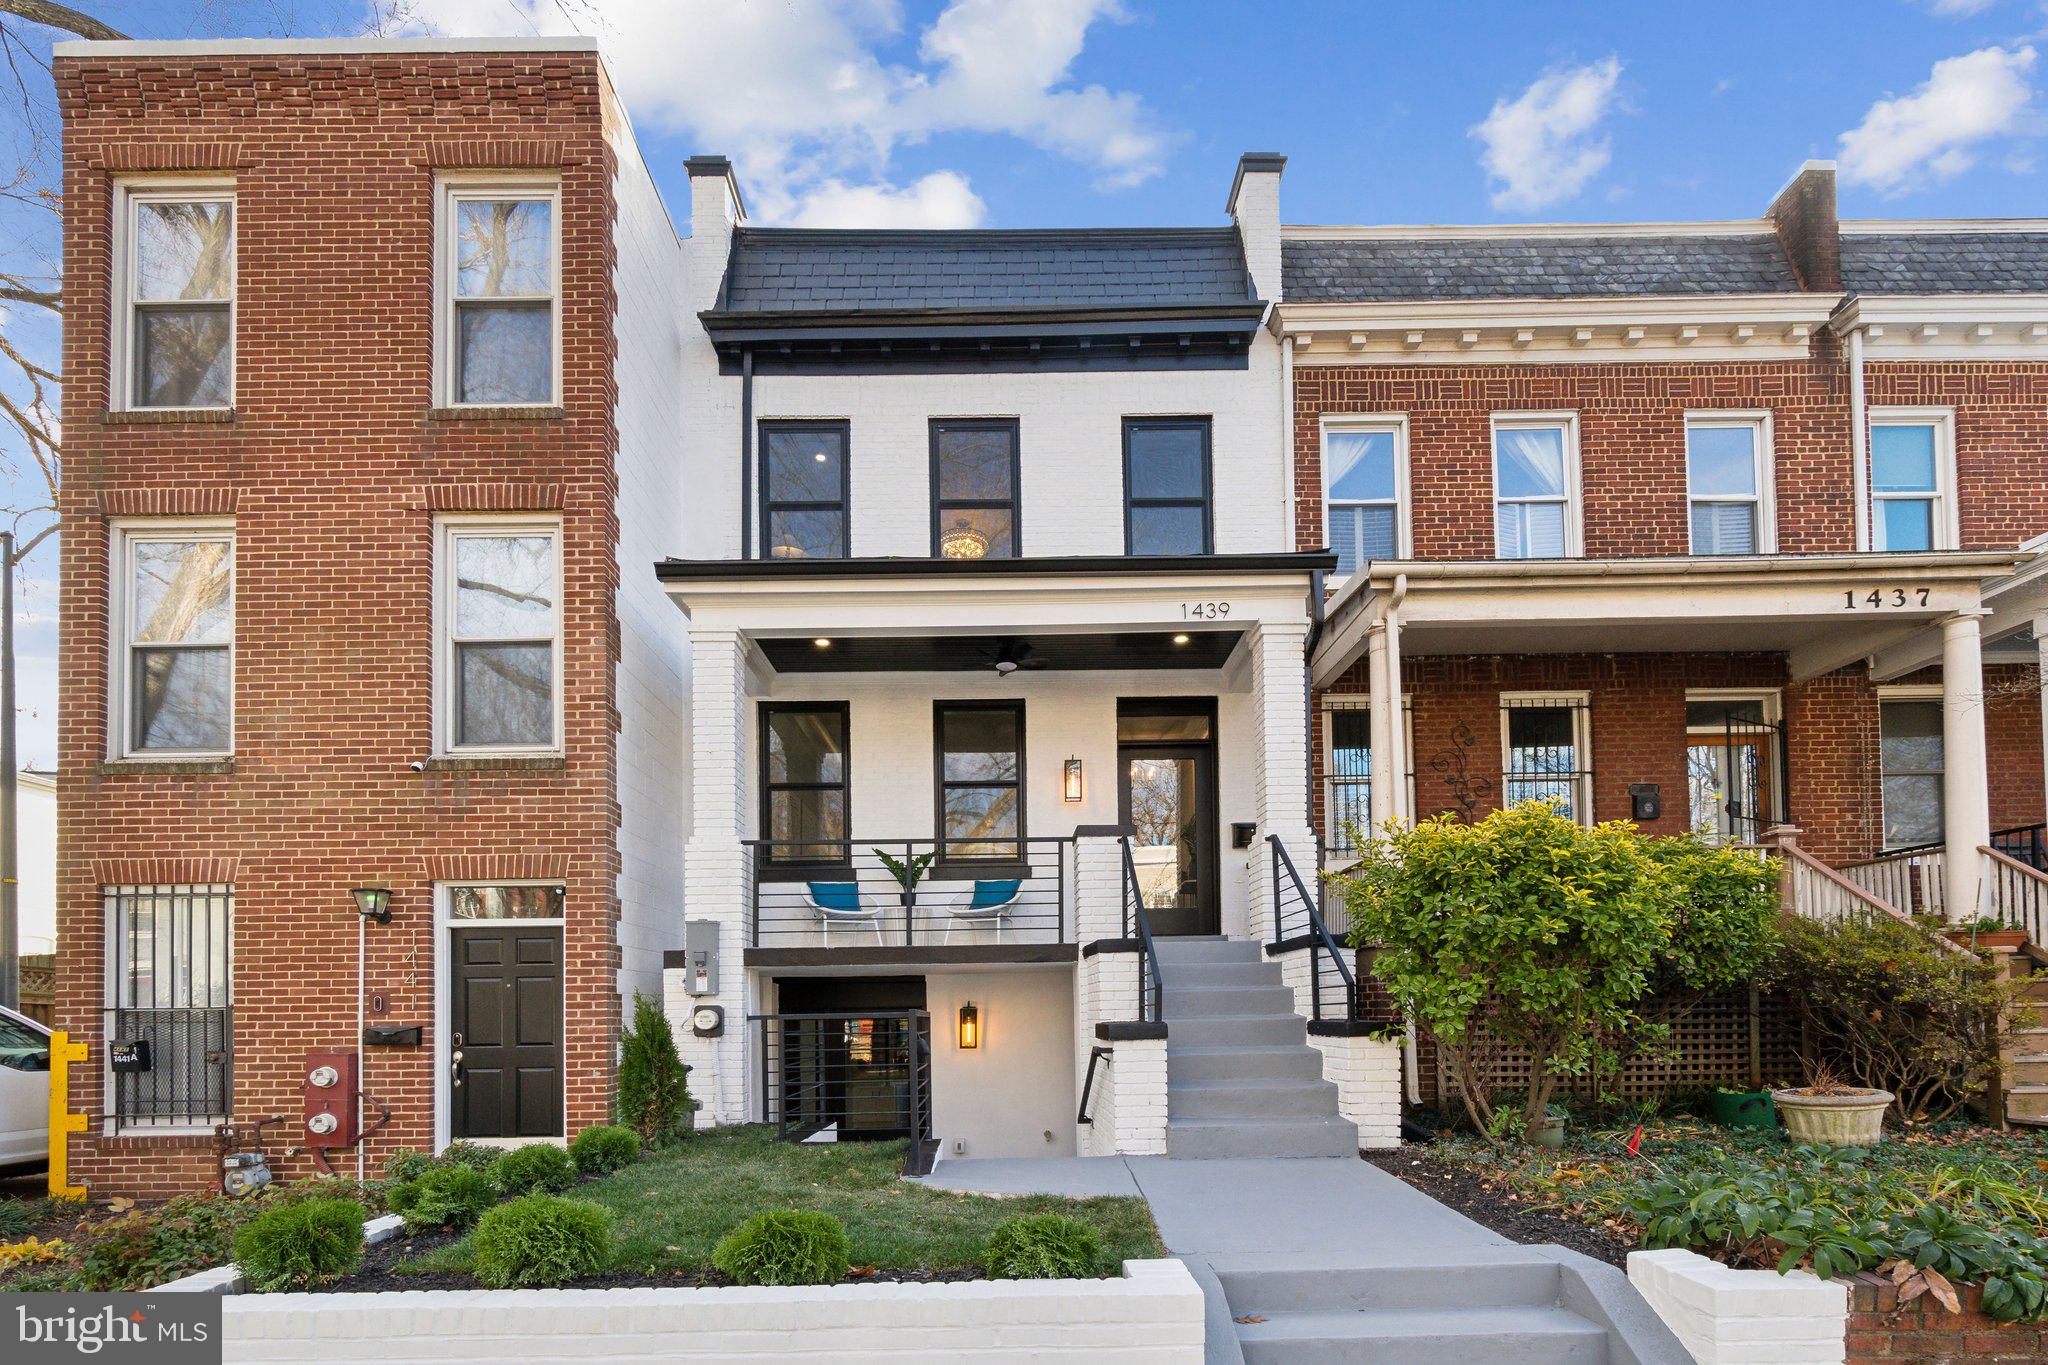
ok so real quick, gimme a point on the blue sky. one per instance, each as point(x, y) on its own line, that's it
point(1018, 113)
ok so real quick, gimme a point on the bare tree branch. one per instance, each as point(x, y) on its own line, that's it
point(59, 16)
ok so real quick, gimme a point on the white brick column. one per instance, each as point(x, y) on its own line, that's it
point(715, 873)
point(1128, 1104)
point(1279, 679)
point(1098, 887)
point(1965, 783)
point(1367, 1074)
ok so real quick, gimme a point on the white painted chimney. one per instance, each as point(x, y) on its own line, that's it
point(1255, 207)
point(715, 208)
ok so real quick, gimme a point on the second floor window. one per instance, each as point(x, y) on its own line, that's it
point(1362, 480)
point(804, 490)
point(1535, 485)
point(501, 329)
point(1167, 486)
point(175, 623)
point(1724, 480)
point(974, 489)
point(1911, 482)
point(175, 326)
point(502, 639)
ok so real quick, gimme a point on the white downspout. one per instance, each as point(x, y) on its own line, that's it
point(1859, 442)
point(1290, 533)
point(1397, 771)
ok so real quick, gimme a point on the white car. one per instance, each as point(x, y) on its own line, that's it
point(24, 1091)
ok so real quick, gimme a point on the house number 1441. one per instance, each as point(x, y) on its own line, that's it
point(1878, 598)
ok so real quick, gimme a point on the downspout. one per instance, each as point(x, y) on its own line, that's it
point(1859, 442)
point(1397, 749)
point(1288, 467)
point(1308, 698)
point(746, 452)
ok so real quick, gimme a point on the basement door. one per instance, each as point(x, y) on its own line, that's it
point(505, 1059)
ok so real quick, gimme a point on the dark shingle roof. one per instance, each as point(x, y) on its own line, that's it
point(1415, 268)
point(1946, 263)
point(789, 270)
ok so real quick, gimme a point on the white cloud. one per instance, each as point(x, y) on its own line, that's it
point(942, 199)
point(796, 92)
point(1541, 146)
point(1932, 134)
point(1958, 9)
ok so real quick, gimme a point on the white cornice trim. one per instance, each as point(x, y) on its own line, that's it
point(1729, 327)
point(1451, 232)
point(1947, 326)
point(284, 47)
point(1880, 227)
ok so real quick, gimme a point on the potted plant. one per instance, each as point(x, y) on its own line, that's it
point(1824, 1111)
point(1550, 1132)
point(908, 872)
point(1987, 934)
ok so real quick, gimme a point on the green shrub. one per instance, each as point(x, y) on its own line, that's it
point(406, 1164)
point(474, 1155)
point(654, 1092)
point(541, 1167)
point(787, 1246)
point(541, 1239)
point(149, 1246)
point(1042, 1246)
point(300, 1245)
point(1887, 1005)
point(445, 1197)
point(604, 1147)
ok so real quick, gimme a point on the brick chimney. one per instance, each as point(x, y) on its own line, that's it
point(1804, 215)
point(715, 209)
point(1254, 205)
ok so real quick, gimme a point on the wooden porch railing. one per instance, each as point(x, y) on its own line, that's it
point(2015, 894)
point(1907, 879)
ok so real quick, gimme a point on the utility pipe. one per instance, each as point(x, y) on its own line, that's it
point(362, 1058)
point(747, 453)
point(1859, 442)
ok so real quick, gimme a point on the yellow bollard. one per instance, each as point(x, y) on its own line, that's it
point(63, 1123)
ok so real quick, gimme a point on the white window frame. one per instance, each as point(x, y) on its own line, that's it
point(129, 195)
point(1397, 424)
point(1946, 518)
point(447, 531)
point(1906, 692)
point(451, 190)
point(1574, 498)
point(445, 925)
point(1580, 701)
point(121, 540)
point(1764, 455)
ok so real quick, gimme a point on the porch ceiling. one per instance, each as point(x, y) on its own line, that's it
point(978, 653)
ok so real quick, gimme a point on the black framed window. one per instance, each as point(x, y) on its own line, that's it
point(980, 779)
point(803, 781)
point(1166, 486)
point(805, 490)
point(974, 489)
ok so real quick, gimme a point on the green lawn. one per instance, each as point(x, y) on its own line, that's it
point(673, 1206)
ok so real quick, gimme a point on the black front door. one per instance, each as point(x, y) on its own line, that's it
point(505, 1059)
point(1167, 795)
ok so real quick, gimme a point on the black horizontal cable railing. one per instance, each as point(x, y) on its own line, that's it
point(850, 1077)
point(1298, 925)
point(844, 893)
point(1137, 925)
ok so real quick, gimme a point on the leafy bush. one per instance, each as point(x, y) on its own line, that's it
point(1527, 930)
point(474, 1155)
point(300, 1245)
point(1042, 1246)
point(787, 1246)
point(541, 1239)
point(604, 1147)
point(406, 1164)
point(445, 1197)
point(1885, 1005)
point(135, 1250)
point(541, 1167)
point(654, 1092)
point(32, 1251)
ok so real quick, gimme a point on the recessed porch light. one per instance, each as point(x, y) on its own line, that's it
point(822, 643)
point(1180, 639)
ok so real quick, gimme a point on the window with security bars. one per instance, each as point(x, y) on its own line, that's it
point(1546, 751)
point(169, 1003)
point(1347, 770)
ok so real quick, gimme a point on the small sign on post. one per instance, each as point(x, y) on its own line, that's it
point(63, 1123)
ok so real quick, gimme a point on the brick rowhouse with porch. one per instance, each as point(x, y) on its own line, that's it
point(348, 439)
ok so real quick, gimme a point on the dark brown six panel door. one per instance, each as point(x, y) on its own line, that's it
point(505, 1059)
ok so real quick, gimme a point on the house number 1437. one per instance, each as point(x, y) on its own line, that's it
point(1878, 598)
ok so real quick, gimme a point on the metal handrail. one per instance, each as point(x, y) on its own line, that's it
point(1151, 996)
point(1095, 1055)
point(1319, 939)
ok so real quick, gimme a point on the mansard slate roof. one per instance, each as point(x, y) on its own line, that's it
point(1404, 269)
point(793, 270)
point(1945, 263)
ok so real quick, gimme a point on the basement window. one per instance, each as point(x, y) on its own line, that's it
point(499, 330)
point(174, 331)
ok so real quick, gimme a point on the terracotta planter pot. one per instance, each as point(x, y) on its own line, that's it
point(1834, 1120)
point(1990, 940)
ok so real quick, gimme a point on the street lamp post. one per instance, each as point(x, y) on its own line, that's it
point(10, 886)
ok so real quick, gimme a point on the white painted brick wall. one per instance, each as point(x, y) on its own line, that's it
point(715, 876)
point(1154, 1313)
point(1138, 1117)
point(1367, 1074)
point(1725, 1316)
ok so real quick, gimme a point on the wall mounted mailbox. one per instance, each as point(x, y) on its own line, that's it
point(1645, 802)
point(391, 1035)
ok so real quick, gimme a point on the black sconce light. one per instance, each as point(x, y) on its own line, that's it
point(373, 903)
point(1070, 783)
point(970, 1027)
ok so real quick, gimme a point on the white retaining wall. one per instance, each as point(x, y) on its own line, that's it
point(1152, 1314)
point(1367, 1073)
point(1723, 1316)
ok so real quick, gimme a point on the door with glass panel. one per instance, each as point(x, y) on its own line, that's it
point(1732, 778)
point(1166, 793)
point(1911, 758)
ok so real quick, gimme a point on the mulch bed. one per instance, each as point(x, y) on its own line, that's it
point(1498, 1208)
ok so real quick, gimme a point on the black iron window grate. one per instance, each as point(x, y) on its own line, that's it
point(170, 1023)
point(1546, 741)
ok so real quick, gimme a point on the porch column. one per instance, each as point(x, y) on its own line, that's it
point(715, 874)
point(2041, 685)
point(1965, 786)
point(1279, 679)
point(1385, 723)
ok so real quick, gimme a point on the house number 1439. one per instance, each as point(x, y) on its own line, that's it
point(1204, 611)
point(1879, 598)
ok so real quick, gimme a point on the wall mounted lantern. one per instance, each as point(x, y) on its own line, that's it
point(373, 903)
point(1070, 785)
point(970, 1027)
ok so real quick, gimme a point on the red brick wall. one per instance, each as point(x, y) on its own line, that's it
point(1882, 1329)
point(330, 465)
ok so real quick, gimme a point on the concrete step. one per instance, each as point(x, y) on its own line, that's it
point(1524, 1335)
point(1232, 1063)
point(1200, 972)
point(1290, 1097)
point(1494, 1277)
point(1239, 1030)
point(1207, 950)
point(2027, 1068)
point(2023, 1103)
point(1187, 1001)
point(1200, 1139)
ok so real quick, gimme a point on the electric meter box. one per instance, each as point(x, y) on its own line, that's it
point(332, 1095)
point(700, 957)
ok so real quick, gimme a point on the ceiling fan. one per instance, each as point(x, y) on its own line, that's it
point(1011, 655)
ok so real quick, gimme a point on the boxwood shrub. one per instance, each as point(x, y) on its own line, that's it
point(541, 1239)
point(785, 1246)
point(1042, 1246)
point(300, 1245)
